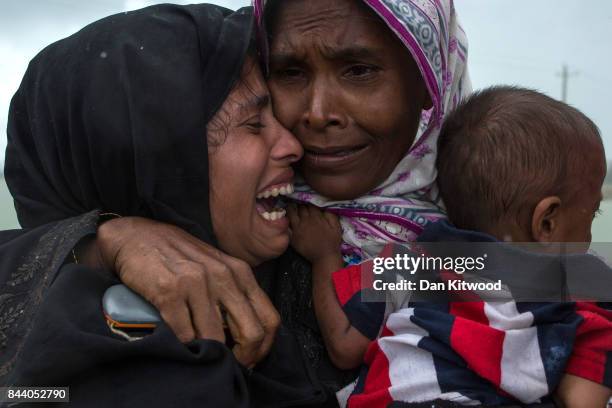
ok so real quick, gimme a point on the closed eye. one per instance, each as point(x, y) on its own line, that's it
point(256, 125)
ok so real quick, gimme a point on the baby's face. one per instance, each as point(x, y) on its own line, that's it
point(577, 217)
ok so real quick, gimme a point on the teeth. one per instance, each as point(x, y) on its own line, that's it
point(277, 214)
point(276, 191)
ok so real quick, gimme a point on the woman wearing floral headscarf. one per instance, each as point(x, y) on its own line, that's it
point(366, 99)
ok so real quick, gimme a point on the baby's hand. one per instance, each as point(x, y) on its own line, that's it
point(316, 234)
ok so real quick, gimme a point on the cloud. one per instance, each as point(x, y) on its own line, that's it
point(130, 5)
point(15, 61)
point(134, 4)
point(137, 4)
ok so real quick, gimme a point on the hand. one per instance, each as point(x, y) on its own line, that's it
point(315, 234)
point(190, 282)
point(577, 392)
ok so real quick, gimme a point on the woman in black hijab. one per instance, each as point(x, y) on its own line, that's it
point(116, 119)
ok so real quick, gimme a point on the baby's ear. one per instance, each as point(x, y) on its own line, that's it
point(545, 220)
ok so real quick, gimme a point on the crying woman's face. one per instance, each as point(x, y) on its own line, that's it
point(348, 89)
point(250, 157)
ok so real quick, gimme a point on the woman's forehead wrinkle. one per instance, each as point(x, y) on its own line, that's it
point(293, 47)
point(322, 27)
point(316, 22)
point(325, 38)
point(318, 19)
point(315, 17)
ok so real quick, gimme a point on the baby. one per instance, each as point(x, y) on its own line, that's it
point(514, 165)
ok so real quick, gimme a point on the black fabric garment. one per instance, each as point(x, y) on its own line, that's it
point(29, 261)
point(292, 296)
point(70, 345)
point(288, 282)
point(114, 118)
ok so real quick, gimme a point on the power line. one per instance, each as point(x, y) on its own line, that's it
point(565, 76)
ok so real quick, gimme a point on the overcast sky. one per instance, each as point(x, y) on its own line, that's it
point(523, 42)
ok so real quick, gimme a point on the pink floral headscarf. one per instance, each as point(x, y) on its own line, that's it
point(399, 209)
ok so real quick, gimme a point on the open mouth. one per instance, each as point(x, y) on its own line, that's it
point(270, 203)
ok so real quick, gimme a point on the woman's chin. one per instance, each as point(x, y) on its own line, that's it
point(271, 248)
point(271, 236)
point(278, 245)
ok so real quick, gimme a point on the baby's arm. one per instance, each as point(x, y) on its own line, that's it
point(576, 392)
point(586, 382)
point(317, 236)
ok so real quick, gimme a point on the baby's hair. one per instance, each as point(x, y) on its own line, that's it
point(504, 149)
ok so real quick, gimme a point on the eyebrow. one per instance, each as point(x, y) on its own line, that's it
point(284, 58)
point(349, 53)
point(255, 102)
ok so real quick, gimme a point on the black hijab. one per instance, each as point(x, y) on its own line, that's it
point(114, 117)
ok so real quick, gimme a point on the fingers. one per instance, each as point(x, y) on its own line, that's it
point(333, 220)
point(177, 317)
point(270, 321)
point(247, 331)
point(162, 290)
point(254, 347)
point(294, 218)
point(206, 319)
point(187, 280)
point(197, 285)
point(264, 309)
point(304, 212)
point(310, 214)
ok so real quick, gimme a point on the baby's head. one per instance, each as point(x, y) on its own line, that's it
point(521, 166)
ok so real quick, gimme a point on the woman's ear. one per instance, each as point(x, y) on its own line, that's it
point(545, 219)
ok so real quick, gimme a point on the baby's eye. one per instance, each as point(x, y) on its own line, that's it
point(597, 213)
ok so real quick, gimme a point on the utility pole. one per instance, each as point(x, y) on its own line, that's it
point(565, 75)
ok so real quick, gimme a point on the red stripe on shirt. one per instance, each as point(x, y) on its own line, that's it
point(480, 345)
point(592, 344)
point(376, 388)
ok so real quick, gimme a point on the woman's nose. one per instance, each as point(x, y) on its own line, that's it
point(323, 110)
point(286, 146)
